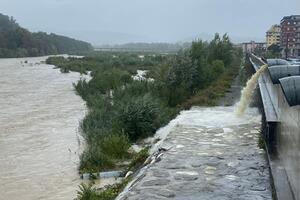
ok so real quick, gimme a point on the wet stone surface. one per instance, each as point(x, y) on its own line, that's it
point(208, 164)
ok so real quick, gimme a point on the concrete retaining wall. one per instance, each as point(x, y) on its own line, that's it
point(288, 141)
point(287, 132)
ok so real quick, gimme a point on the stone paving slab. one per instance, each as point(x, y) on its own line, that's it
point(207, 163)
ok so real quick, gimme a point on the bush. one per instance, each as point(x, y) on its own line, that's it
point(122, 110)
point(86, 192)
point(116, 146)
point(93, 159)
point(132, 90)
point(97, 124)
point(101, 153)
point(139, 159)
point(81, 88)
point(218, 68)
point(138, 117)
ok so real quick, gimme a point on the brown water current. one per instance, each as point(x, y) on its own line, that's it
point(248, 91)
point(39, 139)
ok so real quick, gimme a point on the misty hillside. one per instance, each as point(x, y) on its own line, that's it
point(154, 47)
point(16, 41)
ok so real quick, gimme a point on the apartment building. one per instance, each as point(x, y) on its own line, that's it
point(290, 35)
point(273, 35)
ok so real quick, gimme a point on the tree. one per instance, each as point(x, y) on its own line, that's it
point(16, 41)
point(273, 51)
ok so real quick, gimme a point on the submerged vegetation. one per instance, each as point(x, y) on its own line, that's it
point(87, 192)
point(123, 111)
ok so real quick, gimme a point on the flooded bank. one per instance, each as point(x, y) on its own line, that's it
point(39, 139)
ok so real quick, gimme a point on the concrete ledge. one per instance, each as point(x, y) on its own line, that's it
point(282, 189)
point(270, 112)
point(281, 185)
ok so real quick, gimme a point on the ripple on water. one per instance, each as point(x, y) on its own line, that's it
point(39, 119)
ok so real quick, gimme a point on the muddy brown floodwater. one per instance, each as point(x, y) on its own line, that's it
point(39, 139)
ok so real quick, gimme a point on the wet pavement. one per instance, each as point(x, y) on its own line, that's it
point(208, 154)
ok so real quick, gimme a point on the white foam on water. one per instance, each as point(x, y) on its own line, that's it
point(216, 117)
point(208, 117)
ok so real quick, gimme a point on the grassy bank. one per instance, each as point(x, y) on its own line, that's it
point(123, 111)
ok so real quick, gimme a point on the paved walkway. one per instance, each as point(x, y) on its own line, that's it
point(209, 155)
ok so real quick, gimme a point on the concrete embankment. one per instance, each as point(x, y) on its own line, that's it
point(281, 125)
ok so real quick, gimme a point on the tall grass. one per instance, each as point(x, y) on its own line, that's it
point(123, 111)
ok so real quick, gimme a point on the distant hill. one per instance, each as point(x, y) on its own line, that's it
point(16, 41)
point(235, 39)
point(153, 47)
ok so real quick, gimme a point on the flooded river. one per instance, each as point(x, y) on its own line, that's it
point(39, 139)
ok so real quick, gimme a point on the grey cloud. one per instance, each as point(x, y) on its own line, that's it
point(119, 21)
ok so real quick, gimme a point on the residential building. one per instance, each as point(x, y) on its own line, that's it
point(252, 46)
point(290, 35)
point(273, 35)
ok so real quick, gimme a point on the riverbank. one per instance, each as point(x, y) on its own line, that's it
point(157, 142)
point(123, 111)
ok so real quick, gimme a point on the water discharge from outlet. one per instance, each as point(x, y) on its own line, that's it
point(248, 91)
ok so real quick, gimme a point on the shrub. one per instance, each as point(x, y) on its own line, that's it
point(81, 88)
point(94, 160)
point(97, 124)
point(134, 89)
point(217, 68)
point(87, 192)
point(116, 146)
point(139, 159)
point(138, 117)
point(138, 108)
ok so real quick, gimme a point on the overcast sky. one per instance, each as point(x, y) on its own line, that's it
point(120, 21)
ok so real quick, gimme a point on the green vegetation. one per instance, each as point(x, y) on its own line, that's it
point(123, 111)
point(115, 119)
point(273, 51)
point(138, 159)
point(87, 192)
point(210, 95)
point(16, 41)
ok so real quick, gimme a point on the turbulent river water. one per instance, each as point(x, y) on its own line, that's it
point(39, 139)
